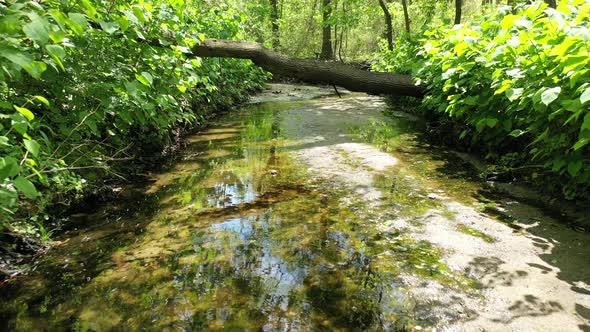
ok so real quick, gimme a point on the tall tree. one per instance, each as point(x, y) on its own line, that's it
point(327, 52)
point(388, 24)
point(406, 15)
point(274, 21)
point(458, 5)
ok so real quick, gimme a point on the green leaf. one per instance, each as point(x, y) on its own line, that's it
point(507, 22)
point(131, 17)
point(26, 112)
point(32, 146)
point(57, 36)
point(4, 141)
point(138, 12)
point(43, 100)
point(584, 139)
point(36, 69)
point(586, 123)
point(26, 187)
point(582, 32)
point(37, 30)
point(15, 55)
point(145, 78)
point(78, 23)
point(514, 93)
point(574, 167)
point(109, 27)
point(57, 53)
point(19, 123)
point(526, 24)
point(8, 197)
point(517, 133)
point(8, 167)
point(585, 96)
point(581, 143)
point(480, 125)
point(491, 122)
point(549, 95)
point(133, 88)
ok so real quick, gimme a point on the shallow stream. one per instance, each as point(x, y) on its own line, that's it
point(305, 211)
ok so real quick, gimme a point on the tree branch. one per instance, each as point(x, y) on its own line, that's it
point(311, 71)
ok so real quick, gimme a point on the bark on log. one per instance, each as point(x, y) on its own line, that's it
point(311, 71)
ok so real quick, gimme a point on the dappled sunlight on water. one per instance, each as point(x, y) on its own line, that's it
point(265, 223)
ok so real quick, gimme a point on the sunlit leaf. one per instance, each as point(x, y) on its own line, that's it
point(549, 95)
point(32, 146)
point(36, 69)
point(145, 78)
point(585, 96)
point(26, 112)
point(43, 100)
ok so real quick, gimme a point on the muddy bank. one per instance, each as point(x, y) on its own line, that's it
point(303, 213)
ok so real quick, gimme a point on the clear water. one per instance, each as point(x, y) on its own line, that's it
point(240, 235)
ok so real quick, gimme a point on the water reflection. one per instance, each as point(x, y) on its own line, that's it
point(232, 238)
point(236, 235)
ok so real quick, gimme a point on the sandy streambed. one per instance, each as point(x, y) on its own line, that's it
point(305, 212)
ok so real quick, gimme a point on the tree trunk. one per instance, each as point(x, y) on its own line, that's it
point(551, 3)
point(458, 5)
point(274, 21)
point(388, 24)
point(406, 15)
point(311, 71)
point(327, 53)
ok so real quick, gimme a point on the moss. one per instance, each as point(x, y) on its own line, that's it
point(474, 232)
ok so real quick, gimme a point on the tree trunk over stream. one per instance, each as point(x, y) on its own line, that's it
point(311, 71)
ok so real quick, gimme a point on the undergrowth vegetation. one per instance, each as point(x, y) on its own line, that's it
point(86, 84)
point(516, 83)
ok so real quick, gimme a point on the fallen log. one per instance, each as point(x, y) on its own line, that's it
point(311, 71)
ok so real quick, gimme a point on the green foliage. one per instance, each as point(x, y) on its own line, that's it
point(402, 59)
point(518, 81)
point(86, 83)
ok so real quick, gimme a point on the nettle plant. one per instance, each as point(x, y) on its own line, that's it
point(84, 83)
point(518, 78)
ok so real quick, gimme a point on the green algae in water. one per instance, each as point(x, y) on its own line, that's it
point(238, 236)
point(474, 232)
point(403, 193)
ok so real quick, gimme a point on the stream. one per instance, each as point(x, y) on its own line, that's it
point(309, 212)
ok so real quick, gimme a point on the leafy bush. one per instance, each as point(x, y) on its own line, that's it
point(520, 82)
point(86, 83)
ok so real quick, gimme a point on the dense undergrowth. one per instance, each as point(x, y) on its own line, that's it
point(87, 84)
point(513, 85)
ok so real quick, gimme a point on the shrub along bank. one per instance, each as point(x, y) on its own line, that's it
point(87, 84)
point(517, 85)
